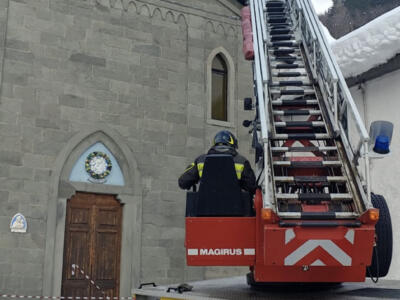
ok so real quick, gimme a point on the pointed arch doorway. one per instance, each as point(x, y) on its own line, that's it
point(64, 187)
point(93, 243)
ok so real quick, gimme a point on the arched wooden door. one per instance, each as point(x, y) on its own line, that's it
point(93, 242)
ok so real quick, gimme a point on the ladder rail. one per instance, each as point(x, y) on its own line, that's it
point(335, 90)
point(259, 64)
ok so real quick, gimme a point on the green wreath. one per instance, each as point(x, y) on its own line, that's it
point(89, 165)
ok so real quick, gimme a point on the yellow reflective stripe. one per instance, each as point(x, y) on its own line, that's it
point(239, 170)
point(190, 167)
point(200, 167)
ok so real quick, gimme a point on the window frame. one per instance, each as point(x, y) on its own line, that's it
point(230, 88)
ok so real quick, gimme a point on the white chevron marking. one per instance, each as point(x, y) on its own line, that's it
point(310, 245)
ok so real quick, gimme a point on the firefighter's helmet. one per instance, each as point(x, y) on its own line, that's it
point(225, 137)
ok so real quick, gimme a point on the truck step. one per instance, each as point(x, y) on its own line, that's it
point(308, 164)
point(297, 112)
point(289, 124)
point(314, 197)
point(301, 136)
point(303, 149)
point(309, 179)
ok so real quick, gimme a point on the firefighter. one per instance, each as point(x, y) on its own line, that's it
point(224, 143)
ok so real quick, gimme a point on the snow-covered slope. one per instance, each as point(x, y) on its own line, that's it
point(369, 46)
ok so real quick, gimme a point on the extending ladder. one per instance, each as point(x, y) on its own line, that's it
point(308, 169)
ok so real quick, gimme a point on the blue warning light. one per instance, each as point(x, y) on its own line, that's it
point(382, 143)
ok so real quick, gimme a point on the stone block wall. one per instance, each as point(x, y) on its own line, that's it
point(137, 67)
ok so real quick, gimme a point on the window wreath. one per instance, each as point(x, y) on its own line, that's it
point(98, 165)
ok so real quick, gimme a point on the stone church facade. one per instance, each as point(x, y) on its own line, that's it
point(130, 79)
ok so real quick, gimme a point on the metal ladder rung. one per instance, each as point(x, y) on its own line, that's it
point(275, 4)
point(289, 74)
point(304, 197)
point(274, 9)
point(301, 136)
point(297, 112)
point(310, 179)
point(303, 149)
point(293, 92)
point(299, 124)
point(275, 20)
point(281, 102)
point(283, 51)
point(316, 216)
point(308, 164)
point(287, 59)
point(282, 37)
point(291, 83)
point(288, 66)
point(283, 44)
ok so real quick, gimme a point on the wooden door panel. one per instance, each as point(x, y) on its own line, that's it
point(105, 261)
point(92, 241)
point(79, 216)
point(76, 289)
point(78, 254)
point(108, 216)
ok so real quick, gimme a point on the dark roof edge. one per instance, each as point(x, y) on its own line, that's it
point(392, 65)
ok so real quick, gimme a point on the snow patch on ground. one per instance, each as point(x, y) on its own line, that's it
point(369, 46)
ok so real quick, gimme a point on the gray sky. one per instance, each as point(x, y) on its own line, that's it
point(322, 6)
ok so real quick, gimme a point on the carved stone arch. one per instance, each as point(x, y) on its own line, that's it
point(231, 86)
point(116, 4)
point(144, 10)
point(231, 31)
point(210, 26)
point(131, 6)
point(157, 14)
point(181, 20)
point(125, 4)
point(220, 29)
point(170, 17)
point(62, 189)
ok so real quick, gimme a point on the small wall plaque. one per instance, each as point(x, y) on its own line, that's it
point(18, 223)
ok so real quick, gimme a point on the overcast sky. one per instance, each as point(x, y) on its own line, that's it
point(322, 6)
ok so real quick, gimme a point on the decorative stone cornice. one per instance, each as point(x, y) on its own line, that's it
point(175, 13)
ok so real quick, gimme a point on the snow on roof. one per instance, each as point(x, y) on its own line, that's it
point(370, 45)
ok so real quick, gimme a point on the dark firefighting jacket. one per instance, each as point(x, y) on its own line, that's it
point(244, 172)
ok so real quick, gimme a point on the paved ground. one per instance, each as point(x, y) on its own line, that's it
point(236, 288)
